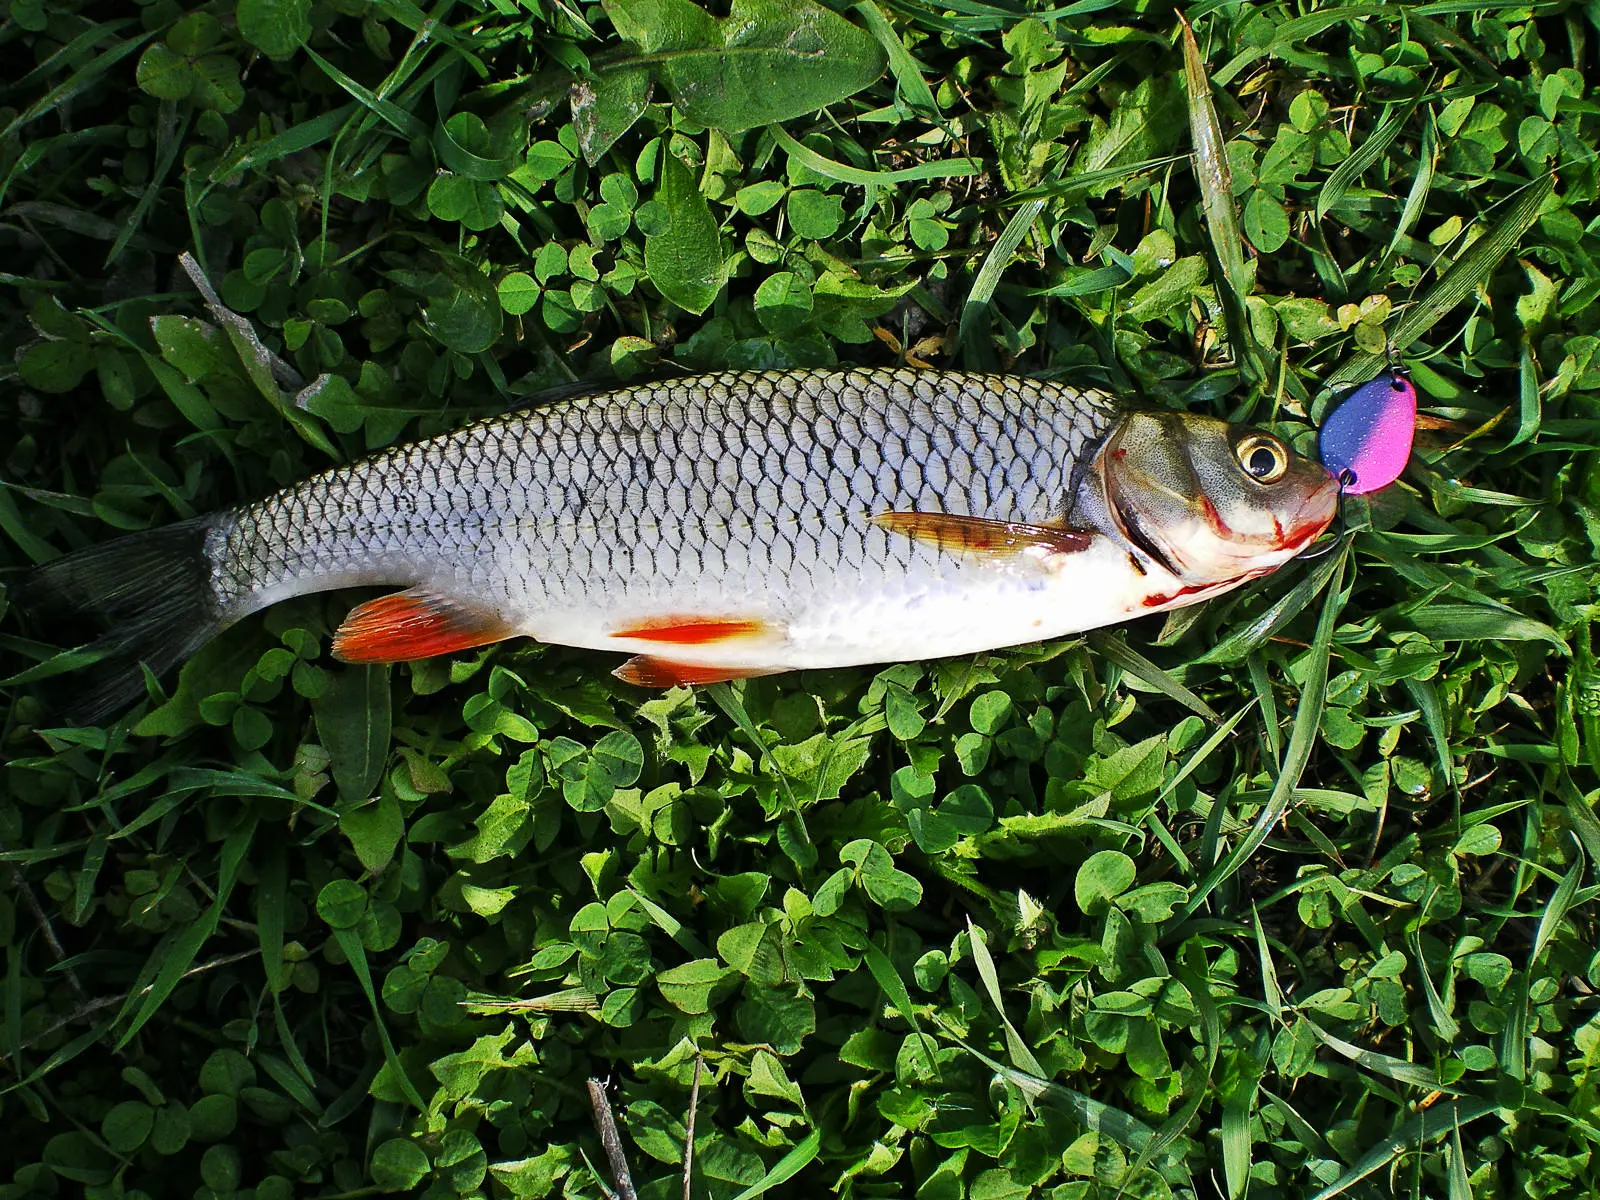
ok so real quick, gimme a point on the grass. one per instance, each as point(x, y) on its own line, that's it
point(1292, 896)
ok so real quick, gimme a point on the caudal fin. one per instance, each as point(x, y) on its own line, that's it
point(152, 594)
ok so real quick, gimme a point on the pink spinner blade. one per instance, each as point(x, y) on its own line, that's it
point(1366, 440)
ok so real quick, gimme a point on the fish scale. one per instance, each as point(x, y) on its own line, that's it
point(662, 492)
point(728, 525)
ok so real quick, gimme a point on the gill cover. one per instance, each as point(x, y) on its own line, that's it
point(1208, 501)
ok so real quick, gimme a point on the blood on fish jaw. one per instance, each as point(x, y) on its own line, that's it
point(1161, 599)
point(1201, 590)
point(1214, 519)
point(1308, 534)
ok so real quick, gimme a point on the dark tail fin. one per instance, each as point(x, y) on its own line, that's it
point(153, 593)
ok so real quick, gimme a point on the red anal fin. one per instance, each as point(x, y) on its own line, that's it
point(694, 631)
point(979, 535)
point(643, 670)
point(411, 625)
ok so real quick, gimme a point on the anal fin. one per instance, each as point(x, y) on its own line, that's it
point(644, 670)
point(412, 625)
point(959, 534)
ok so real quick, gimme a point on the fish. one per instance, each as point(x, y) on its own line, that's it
point(725, 526)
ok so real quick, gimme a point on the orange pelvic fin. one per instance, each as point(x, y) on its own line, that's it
point(643, 670)
point(694, 631)
point(979, 535)
point(414, 624)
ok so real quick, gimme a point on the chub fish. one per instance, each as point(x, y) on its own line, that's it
point(728, 525)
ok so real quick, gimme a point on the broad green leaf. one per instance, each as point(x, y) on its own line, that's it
point(398, 1165)
point(55, 367)
point(164, 73)
point(468, 317)
point(127, 1125)
point(1103, 876)
point(477, 206)
point(197, 348)
point(353, 720)
point(1173, 288)
point(275, 27)
point(518, 293)
point(767, 61)
point(689, 987)
point(879, 877)
point(684, 260)
point(605, 107)
point(374, 831)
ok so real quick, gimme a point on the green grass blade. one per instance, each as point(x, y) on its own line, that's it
point(350, 942)
point(1307, 720)
point(1428, 1125)
point(1127, 1131)
point(1196, 760)
point(183, 948)
point(787, 1167)
point(170, 128)
point(1555, 912)
point(670, 925)
point(1283, 610)
point(1387, 1065)
point(1426, 697)
point(1464, 276)
point(1234, 1131)
point(392, 114)
point(955, 168)
point(1421, 183)
point(907, 71)
point(1215, 178)
point(79, 81)
point(883, 973)
point(1021, 1057)
point(303, 136)
point(1256, 663)
point(1141, 668)
point(994, 266)
point(1212, 171)
point(1529, 407)
point(1362, 157)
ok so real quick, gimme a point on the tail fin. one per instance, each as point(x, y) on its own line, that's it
point(153, 590)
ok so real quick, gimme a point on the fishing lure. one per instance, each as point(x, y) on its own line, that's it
point(1366, 440)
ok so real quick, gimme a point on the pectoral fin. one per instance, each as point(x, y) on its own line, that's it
point(979, 535)
point(412, 625)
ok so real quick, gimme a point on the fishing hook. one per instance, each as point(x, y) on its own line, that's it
point(1337, 525)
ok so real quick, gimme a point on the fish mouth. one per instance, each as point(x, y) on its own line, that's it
point(1312, 518)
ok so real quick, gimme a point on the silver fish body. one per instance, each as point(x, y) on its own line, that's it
point(750, 522)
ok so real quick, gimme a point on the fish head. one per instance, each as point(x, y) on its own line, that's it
point(1209, 501)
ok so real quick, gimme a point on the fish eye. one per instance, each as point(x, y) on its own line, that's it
point(1263, 458)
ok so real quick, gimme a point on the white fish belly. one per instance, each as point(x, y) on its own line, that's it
point(957, 606)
